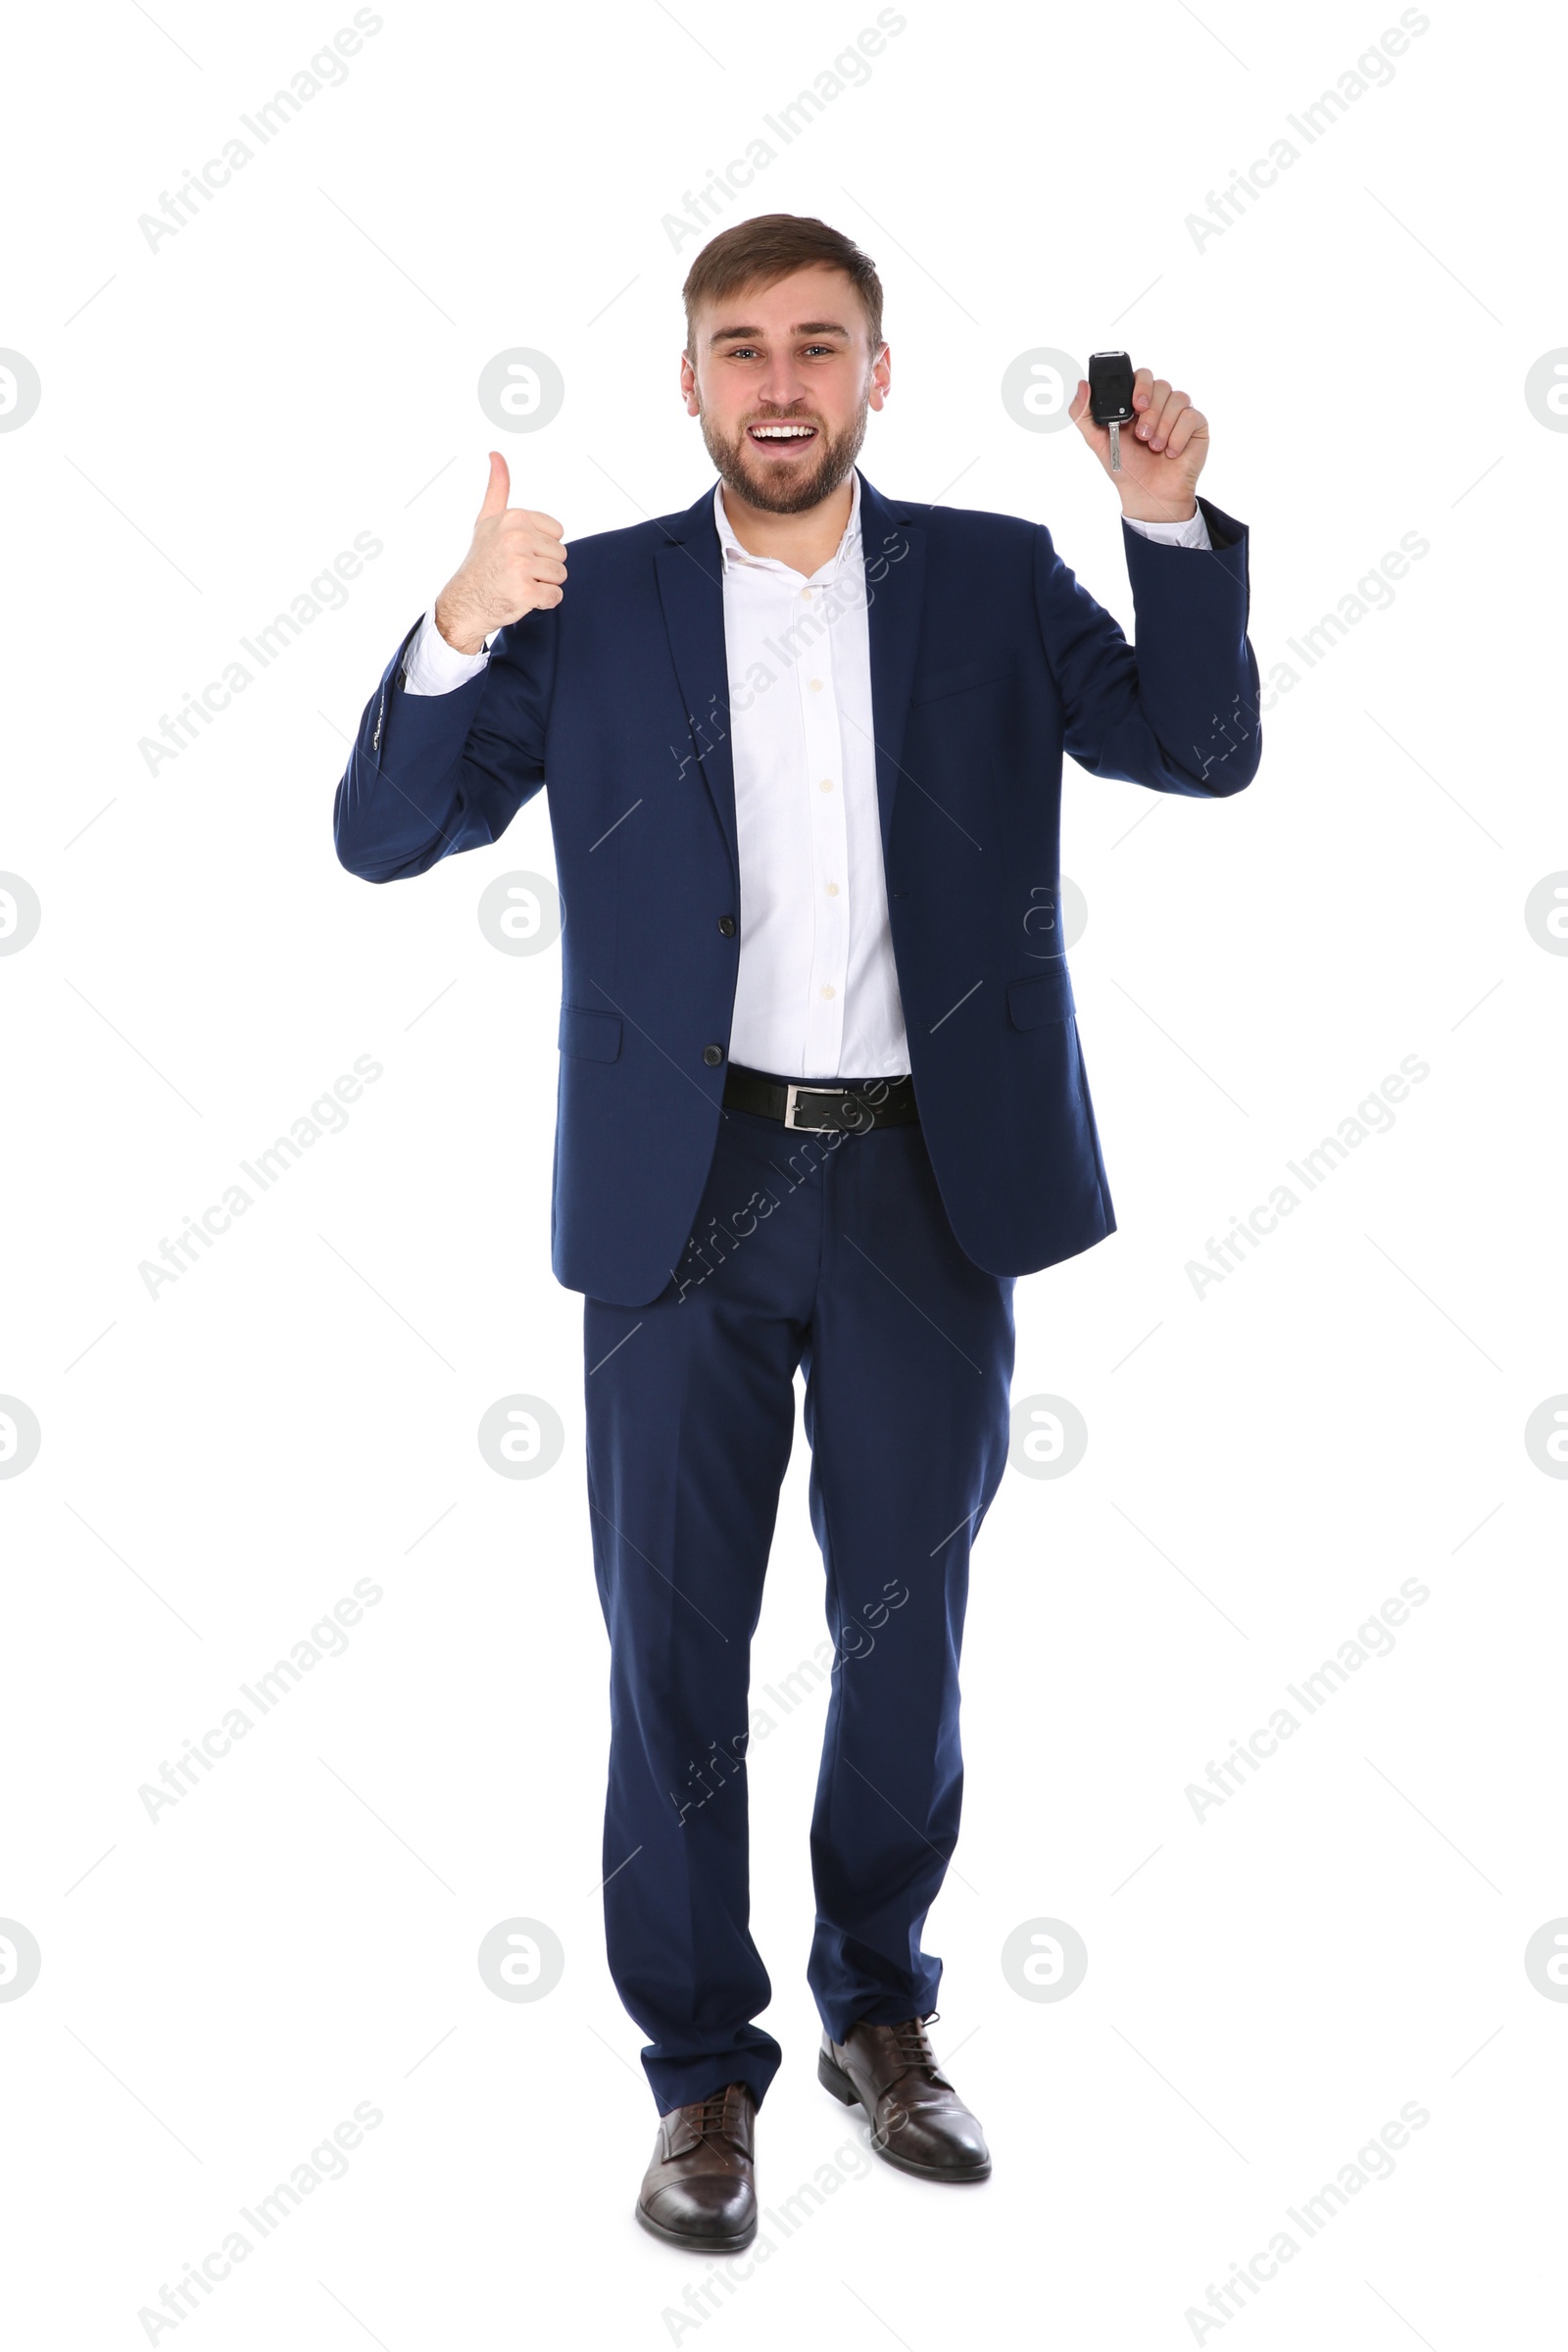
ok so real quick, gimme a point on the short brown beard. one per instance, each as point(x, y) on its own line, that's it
point(834, 461)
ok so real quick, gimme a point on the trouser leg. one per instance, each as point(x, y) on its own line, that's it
point(690, 1409)
point(908, 1366)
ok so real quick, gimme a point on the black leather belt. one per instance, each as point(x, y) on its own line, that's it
point(820, 1109)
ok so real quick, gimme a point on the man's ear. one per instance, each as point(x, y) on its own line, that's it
point(688, 385)
point(881, 378)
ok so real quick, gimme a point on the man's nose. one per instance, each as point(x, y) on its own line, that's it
point(781, 388)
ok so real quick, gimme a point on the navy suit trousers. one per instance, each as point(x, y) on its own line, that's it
point(832, 1254)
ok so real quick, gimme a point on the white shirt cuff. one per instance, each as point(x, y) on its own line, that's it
point(432, 666)
point(1194, 532)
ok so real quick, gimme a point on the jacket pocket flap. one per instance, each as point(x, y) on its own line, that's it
point(1044, 996)
point(930, 686)
point(590, 1035)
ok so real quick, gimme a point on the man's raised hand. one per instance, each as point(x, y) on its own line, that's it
point(1162, 452)
point(516, 563)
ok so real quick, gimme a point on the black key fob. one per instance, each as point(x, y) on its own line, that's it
point(1110, 387)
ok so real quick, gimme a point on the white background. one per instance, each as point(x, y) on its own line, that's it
point(1266, 1463)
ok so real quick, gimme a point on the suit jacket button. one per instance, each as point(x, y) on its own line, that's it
point(726, 924)
point(712, 1055)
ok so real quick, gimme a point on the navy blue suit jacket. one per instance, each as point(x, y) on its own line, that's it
point(988, 662)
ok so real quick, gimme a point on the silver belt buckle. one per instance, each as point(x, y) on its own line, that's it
point(799, 1127)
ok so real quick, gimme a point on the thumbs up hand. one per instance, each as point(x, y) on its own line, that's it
point(516, 563)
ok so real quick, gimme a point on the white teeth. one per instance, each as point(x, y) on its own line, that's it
point(784, 432)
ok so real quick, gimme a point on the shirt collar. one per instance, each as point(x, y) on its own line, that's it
point(732, 552)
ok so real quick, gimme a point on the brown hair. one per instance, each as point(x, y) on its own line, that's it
point(759, 252)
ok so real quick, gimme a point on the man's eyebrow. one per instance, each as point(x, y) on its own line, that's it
point(811, 326)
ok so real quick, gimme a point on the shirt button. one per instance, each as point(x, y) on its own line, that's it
point(826, 784)
point(828, 989)
point(712, 1055)
point(726, 924)
point(832, 890)
point(816, 685)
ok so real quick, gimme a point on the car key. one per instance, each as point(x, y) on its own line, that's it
point(1110, 396)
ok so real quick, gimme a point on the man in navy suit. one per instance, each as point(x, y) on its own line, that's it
point(821, 1100)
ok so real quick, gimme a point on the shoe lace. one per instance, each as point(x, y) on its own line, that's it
point(913, 2042)
point(714, 2113)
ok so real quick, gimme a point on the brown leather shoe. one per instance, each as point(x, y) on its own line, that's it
point(700, 2189)
point(919, 2122)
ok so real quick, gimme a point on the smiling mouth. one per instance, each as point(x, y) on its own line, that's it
point(781, 440)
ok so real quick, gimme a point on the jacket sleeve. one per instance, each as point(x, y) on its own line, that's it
point(1180, 712)
point(433, 773)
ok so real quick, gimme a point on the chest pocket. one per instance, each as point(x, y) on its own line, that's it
point(933, 684)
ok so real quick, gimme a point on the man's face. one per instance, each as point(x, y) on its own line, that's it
point(783, 380)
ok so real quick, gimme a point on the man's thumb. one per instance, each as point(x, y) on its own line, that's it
point(498, 489)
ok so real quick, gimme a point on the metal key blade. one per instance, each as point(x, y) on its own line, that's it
point(1115, 449)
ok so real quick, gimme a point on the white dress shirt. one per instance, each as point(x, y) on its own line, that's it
point(816, 993)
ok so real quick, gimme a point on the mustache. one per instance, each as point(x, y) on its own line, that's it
point(831, 457)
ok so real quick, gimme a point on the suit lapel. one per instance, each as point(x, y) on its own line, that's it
point(894, 550)
point(690, 573)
